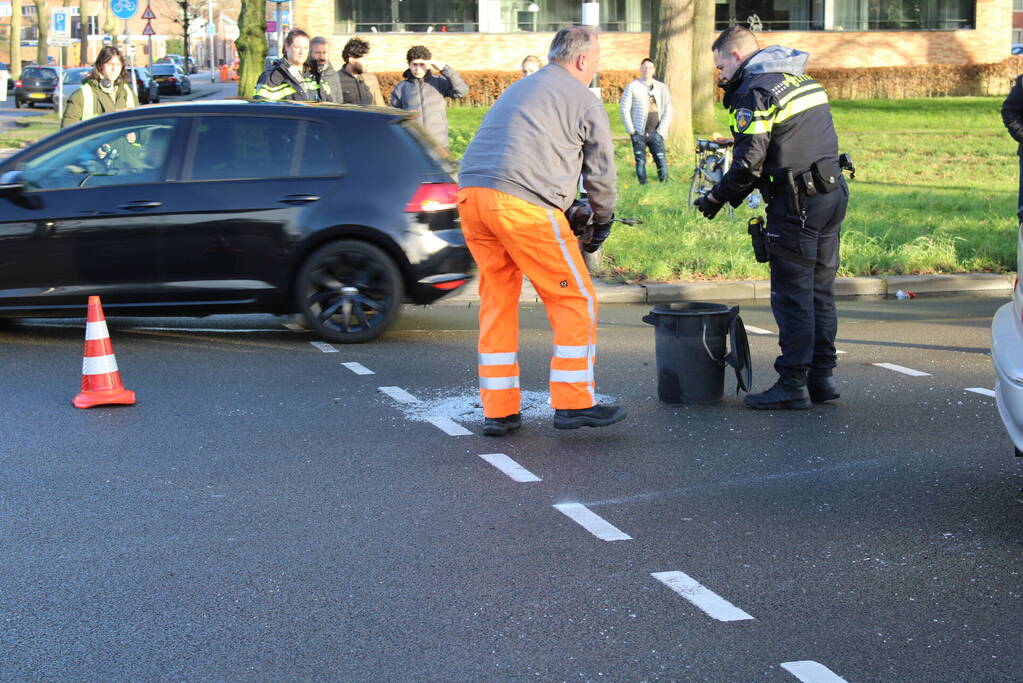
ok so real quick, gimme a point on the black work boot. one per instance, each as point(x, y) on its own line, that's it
point(499, 426)
point(594, 416)
point(788, 393)
point(822, 388)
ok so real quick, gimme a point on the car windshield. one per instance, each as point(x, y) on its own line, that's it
point(39, 73)
point(74, 77)
point(163, 69)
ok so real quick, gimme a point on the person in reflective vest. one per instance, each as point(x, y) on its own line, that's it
point(289, 78)
point(108, 88)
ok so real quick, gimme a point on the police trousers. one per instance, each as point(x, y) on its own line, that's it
point(802, 294)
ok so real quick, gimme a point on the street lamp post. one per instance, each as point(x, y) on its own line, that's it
point(209, 32)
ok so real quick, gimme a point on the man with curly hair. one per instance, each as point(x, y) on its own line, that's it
point(358, 86)
point(425, 92)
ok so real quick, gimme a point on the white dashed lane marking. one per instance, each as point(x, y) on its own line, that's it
point(903, 369)
point(358, 368)
point(710, 602)
point(982, 391)
point(324, 346)
point(449, 426)
point(514, 470)
point(399, 394)
point(812, 672)
point(757, 330)
point(592, 522)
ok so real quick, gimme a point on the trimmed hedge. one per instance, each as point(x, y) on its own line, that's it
point(880, 83)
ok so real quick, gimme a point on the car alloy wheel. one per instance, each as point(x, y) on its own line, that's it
point(349, 291)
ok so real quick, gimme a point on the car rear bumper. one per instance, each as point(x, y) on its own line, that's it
point(1007, 357)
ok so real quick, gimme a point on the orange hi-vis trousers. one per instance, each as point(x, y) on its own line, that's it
point(509, 236)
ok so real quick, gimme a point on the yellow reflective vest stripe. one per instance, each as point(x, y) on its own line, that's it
point(89, 99)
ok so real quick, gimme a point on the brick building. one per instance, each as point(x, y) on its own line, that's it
point(496, 34)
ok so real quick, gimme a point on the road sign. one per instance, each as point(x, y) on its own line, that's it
point(271, 27)
point(148, 14)
point(124, 9)
point(148, 30)
point(60, 27)
point(58, 42)
point(211, 29)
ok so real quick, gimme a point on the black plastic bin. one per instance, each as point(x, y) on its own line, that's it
point(691, 350)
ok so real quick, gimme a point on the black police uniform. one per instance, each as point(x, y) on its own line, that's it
point(1012, 117)
point(781, 123)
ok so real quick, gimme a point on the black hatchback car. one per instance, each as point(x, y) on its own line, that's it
point(36, 84)
point(334, 211)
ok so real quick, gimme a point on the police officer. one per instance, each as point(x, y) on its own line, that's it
point(785, 144)
point(1012, 117)
point(289, 78)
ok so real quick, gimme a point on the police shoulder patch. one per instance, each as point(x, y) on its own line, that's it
point(743, 117)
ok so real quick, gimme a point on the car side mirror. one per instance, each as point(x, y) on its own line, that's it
point(11, 184)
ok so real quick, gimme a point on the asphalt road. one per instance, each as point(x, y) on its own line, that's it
point(265, 512)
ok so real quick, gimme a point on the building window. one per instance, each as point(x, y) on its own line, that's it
point(902, 15)
point(771, 15)
point(1017, 5)
point(382, 16)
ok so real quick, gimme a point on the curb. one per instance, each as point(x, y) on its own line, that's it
point(760, 290)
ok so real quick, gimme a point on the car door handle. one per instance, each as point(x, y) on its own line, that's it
point(299, 198)
point(140, 205)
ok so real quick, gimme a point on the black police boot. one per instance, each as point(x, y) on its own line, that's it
point(595, 416)
point(788, 393)
point(499, 426)
point(821, 388)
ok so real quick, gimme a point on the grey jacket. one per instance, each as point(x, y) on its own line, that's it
point(636, 101)
point(330, 84)
point(426, 95)
point(538, 137)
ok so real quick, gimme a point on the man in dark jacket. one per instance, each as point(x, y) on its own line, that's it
point(319, 65)
point(785, 143)
point(1012, 116)
point(357, 85)
point(423, 92)
point(288, 78)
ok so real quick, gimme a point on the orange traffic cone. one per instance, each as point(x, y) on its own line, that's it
point(101, 381)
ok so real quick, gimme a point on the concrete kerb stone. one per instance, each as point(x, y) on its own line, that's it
point(760, 290)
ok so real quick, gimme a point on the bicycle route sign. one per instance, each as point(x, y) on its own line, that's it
point(124, 9)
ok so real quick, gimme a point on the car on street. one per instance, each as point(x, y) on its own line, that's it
point(36, 84)
point(171, 80)
point(180, 61)
point(338, 212)
point(146, 86)
point(1017, 48)
point(1007, 356)
point(10, 79)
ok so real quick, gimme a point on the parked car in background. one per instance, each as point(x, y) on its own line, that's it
point(340, 213)
point(10, 77)
point(1007, 357)
point(36, 84)
point(72, 81)
point(146, 86)
point(180, 61)
point(171, 79)
point(1017, 48)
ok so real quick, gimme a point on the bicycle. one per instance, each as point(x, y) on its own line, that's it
point(713, 159)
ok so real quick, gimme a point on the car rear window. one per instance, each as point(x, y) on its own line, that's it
point(235, 148)
point(73, 77)
point(422, 150)
point(39, 73)
point(163, 69)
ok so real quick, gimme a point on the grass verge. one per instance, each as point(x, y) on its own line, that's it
point(935, 192)
point(27, 130)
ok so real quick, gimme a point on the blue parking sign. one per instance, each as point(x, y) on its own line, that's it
point(59, 22)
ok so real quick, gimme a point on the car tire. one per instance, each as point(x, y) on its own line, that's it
point(17, 103)
point(31, 104)
point(349, 291)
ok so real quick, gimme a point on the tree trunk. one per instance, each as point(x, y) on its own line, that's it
point(110, 23)
point(655, 11)
point(83, 54)
point(674, 50)
point(43, 21)
point(703, 66)
point(251, 44)
point(15, 39)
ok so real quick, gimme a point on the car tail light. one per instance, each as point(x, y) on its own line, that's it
point(171, 79)
point(433, 197)
point(17, 84)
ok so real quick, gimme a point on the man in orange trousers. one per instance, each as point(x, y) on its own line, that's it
point(517, 178)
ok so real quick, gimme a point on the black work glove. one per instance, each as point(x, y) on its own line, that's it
point(579, 216)
point(708, 207)
point(601, 231)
